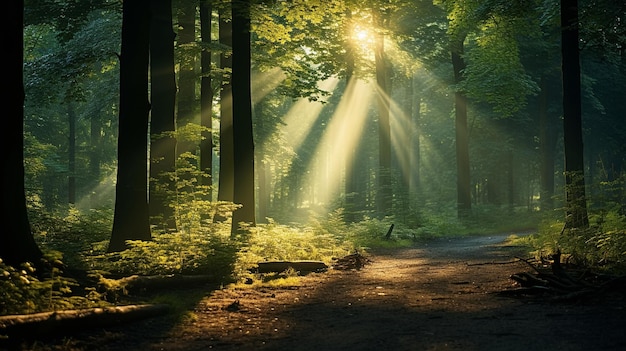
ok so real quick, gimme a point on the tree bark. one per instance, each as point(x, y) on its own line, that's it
point(384, 131)
point(576, 203)
point(206, 97)
point(131, 217)
point(225, 190)
point(243, 136)
point(17, 244)
point(464, 196)
point(163, 104)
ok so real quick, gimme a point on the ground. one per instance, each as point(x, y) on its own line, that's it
point(441, 295)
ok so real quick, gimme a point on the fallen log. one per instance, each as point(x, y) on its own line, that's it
point(70, 321)
point(300, 266)
point(135, 283)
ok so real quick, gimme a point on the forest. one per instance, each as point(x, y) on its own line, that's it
point(197, 138)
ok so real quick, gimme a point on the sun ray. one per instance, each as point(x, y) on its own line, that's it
point(324, 179)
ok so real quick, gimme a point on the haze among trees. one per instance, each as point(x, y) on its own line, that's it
point(197, 137)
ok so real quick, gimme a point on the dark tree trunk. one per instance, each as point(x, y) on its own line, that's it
point(71, 165)
point(186, 75)
point(227, 167)
point(576, 203)
point(163, 104)
point(464, 195)
point(206, 97)
point(243, 150)
point(17, 244)
point(384, 131)
point(131, 217)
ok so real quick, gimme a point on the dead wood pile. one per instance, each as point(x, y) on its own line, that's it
point(353, 261)
point(554, 281)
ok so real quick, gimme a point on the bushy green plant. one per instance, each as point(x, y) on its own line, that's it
point(272, 241)
point(170, 253)
point(603, 243)
point(23, 291)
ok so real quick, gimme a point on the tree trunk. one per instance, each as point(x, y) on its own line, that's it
point(163, 104)
point(17, 244)
point(206, 97)
point(131, 217)
point(576, 203)
point(384, 131)
point(186, 75)
point(71, 148)
point(464, 196)
point(95, 157)
point(243, 136)
point(547, 145)
point(226, 177)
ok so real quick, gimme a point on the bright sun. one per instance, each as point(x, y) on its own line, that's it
point(361, 34)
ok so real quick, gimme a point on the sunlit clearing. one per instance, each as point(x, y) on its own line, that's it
point(262, 83)
point(324, 178)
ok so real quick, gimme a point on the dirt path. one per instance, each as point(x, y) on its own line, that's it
point(440, 296)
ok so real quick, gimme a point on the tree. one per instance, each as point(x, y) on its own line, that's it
point(243, 147)
point(17, 244)
point(226, 159)
point(162, 121)
point(186, 74)
point(384, 130)
point(206, 95)
point(576, 203)
point(131, 217)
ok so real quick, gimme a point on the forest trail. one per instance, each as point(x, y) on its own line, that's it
point(436, 296)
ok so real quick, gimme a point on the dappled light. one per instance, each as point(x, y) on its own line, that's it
point(314, 175)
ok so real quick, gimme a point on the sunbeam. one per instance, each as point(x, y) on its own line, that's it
point(325, 171)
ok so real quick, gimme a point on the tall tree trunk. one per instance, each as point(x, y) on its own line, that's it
point(71, 148)
point(163, 123)
point(186, 75)
point(243, 136)
point(206, 97)
point(384, 131)
point(131, 217)
point(350, 164)
point(95, 157)
point(17, 244)
point(227, 167)
point(547, 145)
point(464, 196)
point(414, 154)
point(576, 202)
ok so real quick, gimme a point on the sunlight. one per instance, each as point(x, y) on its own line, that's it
point(303, 114)
point(363, 37)
point(262, 83)
point(336, 146)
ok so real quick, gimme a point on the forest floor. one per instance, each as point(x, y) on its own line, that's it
point(440, 295)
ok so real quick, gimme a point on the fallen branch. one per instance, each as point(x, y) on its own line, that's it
point(300, 266)
point(47, 323)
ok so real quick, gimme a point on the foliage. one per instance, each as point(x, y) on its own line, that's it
point(320, 241)
point(23, 290)
point(601, 245)
point(181, 253)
